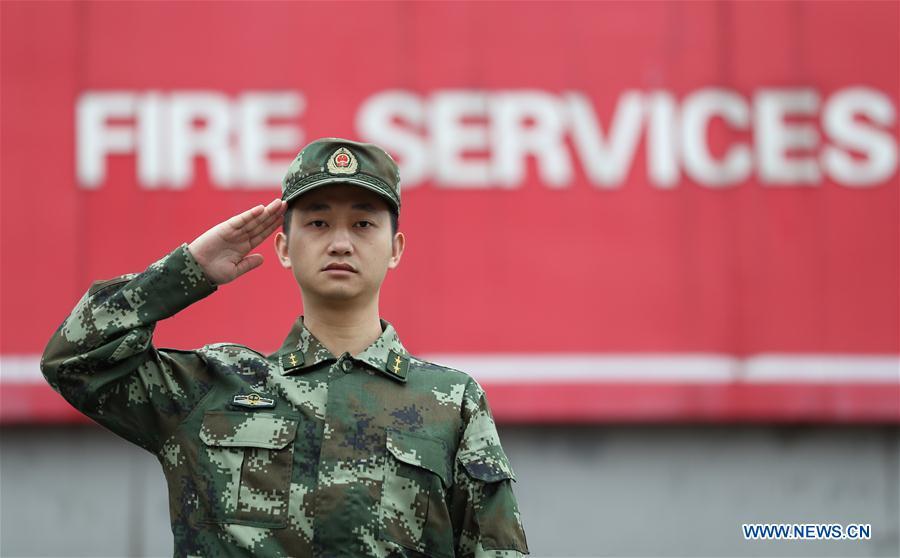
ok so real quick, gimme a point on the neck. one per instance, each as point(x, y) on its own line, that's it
point(343, 329)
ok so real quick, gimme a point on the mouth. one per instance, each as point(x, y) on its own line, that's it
point(339, 267)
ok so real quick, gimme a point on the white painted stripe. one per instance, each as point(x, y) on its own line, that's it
point(20, 369)
point(585, 367)
point(690, 368)
point(601, 367)
point(824, 368)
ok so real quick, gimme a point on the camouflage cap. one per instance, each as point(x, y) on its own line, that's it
point(340, 161)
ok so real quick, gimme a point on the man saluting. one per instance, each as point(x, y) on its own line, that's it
point(339, 444)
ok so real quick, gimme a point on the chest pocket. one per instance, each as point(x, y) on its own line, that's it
point(245, 465)
point(413, 511)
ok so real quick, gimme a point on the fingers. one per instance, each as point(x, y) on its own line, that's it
point(248, 263)
point(241, 220)
point(271, 213)
point(248, 224)
point(251, 218)
point(277, 205)
point(256, 239)
point(267, 223)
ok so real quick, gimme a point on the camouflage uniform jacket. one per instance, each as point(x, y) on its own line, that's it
point(299, 453)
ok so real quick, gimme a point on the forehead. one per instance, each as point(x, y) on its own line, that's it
point(340, 195)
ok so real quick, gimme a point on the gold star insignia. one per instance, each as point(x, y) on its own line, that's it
point(397, 366)
point(292, 360)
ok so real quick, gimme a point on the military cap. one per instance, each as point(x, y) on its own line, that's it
point(340, 161)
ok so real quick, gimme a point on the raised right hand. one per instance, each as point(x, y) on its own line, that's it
point(224, 250)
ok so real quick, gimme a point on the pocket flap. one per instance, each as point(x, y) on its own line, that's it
point(488, 464)
point(258, 430)
point(420, 451)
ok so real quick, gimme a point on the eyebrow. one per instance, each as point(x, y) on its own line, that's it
point(313, 207)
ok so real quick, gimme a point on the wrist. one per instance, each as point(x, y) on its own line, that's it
point(193, 254)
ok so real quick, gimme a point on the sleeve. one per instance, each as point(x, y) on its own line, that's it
point(485, 515)
point(101, 359)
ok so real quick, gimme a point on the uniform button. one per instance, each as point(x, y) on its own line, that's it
point(347, 366)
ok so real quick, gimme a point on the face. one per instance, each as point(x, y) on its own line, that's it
point(340, 245)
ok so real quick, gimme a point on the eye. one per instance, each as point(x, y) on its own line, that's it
point(364, 224)
point(318, 223)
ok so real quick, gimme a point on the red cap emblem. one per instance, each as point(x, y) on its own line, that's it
point(342, 161)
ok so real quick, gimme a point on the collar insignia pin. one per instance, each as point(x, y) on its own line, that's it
point(292, 360)
point(397, 366)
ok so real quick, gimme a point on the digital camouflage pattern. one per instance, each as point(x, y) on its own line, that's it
point(300, 453)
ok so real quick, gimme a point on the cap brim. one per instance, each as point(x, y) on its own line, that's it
point(343, 180)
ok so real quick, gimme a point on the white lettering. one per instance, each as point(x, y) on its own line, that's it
point(775, 137)
point(392, 119)
point(95, 138)
point(478, 139)
point(209, 141)
point(452, 138)
point(662, 139)
point(259, 137)
point(606, 160)
point(170, 131)
point(529, 123)
point(151, 144)
point(849, 134)
point(699, 164)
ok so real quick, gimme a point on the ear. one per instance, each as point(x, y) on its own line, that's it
point(281, 249)
point(397, 250)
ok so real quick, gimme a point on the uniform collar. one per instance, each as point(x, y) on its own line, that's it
point(301, 351)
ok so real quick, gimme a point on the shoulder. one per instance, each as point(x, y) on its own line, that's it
point(231, 354)
point(438, 371)
point(230, 362)
point(445, 379)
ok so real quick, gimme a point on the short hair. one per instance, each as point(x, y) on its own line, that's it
point(286, 226)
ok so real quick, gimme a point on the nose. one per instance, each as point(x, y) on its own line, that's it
point(340, 244)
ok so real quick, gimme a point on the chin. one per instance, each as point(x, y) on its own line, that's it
point(338, 292)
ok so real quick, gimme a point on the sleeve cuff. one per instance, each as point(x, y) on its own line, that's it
point(195, 267)
point(176, 281)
